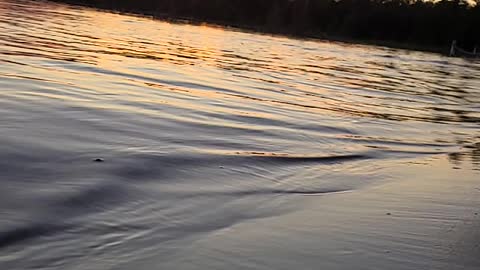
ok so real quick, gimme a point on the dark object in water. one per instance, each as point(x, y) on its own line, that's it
point(99, 160)
point(457, 51)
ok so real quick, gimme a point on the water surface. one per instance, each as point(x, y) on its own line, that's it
point(229, 150)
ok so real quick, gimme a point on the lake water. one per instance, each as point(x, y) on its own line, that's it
point(229, 150)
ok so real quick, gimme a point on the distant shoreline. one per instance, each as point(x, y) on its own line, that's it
point(316, 36)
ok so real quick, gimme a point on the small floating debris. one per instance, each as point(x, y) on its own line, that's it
point(388, 214)
point(99, 160)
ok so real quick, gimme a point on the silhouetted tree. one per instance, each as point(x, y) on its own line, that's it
point(422, 23)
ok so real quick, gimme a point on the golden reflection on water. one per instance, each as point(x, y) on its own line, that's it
point(139, 65)
point(202, 129)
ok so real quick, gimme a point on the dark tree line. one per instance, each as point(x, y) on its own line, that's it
point(417, 23)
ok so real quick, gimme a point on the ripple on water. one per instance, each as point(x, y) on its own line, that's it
point(203, 130)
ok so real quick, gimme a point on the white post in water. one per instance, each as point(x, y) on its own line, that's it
point(452, 48)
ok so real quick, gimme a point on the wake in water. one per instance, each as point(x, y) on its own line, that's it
point(283, 154)
point(126, 172)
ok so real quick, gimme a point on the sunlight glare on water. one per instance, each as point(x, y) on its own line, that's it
point(212, 137)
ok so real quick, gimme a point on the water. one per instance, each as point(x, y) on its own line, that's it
point(229, 150)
